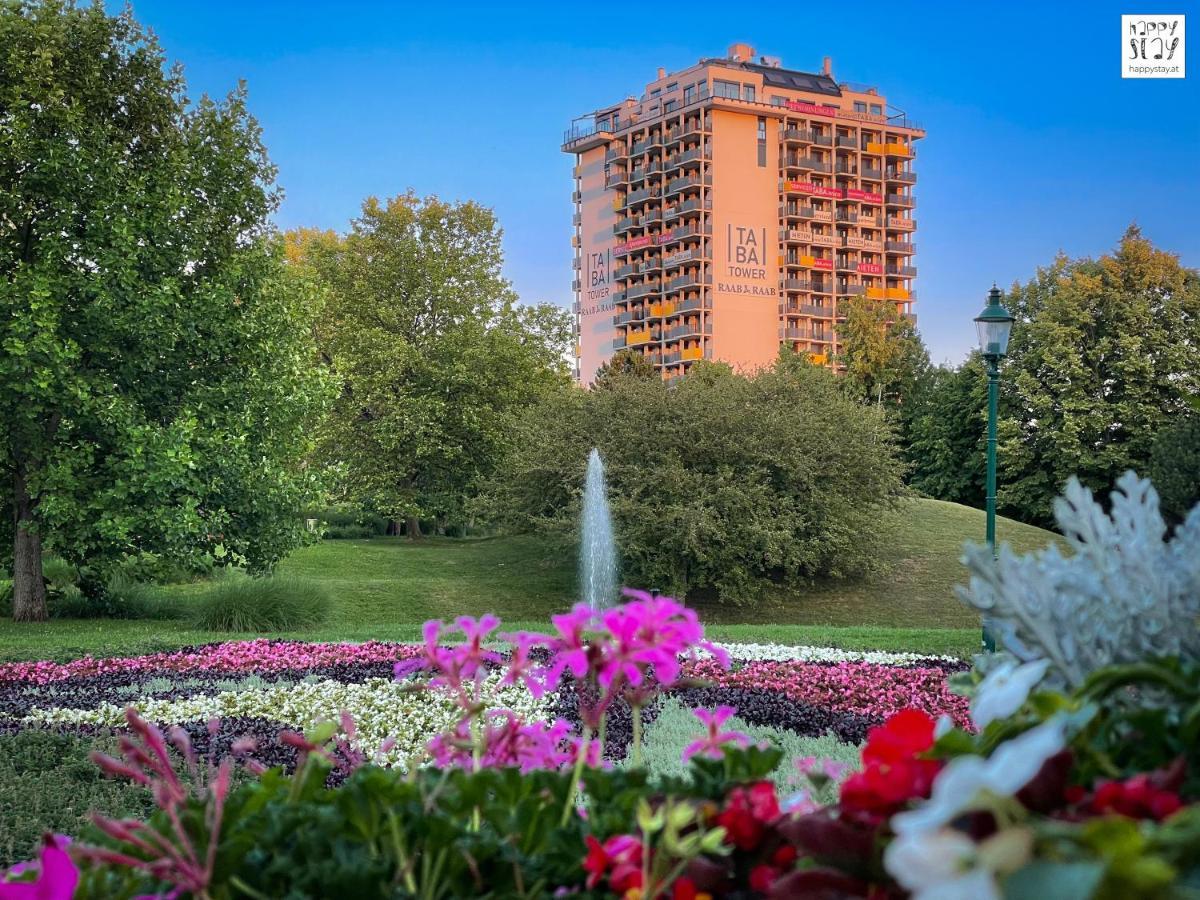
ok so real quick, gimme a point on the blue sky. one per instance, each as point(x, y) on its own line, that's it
point(1035, 142)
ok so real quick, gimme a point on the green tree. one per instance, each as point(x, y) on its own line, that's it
point(721, 482)
point(156, 380)
point(1174, 467)
point(624, 363)
point(946, 433)
point(884, 357)
point(432, 351)
point(1105, 354)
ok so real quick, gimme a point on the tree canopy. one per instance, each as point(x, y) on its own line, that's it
point(156, 385)
point(432, 352)
point(1105, 353)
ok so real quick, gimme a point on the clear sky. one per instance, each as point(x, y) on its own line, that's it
point(1035, 142)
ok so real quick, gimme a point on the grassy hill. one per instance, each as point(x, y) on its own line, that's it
point(384, 588)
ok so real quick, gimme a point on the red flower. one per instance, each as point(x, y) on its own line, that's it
point(1137, 797)
point(900, 738)
point(761, 878)
point(784, 856)
point(623, 853)
point(747, 813)
point(684, 889)
point(891, 773)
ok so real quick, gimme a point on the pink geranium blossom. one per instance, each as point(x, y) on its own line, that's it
point(713, 743)
point(56, 874)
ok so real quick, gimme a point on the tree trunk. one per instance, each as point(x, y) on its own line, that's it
point(29, 587)
point(393, 528)
point(413, 528)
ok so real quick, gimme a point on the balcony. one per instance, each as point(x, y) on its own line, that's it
point(822, 140)
point(617, 152)
point(615, 178)
point(680, 184)
point(824, 240)
point(577, 219)
point(846, 216)
point(661, 310)
point(812, 309)
point(905, 271)
point(642, 290)
point(847, 142)
point(623, 225)
point(691, 353)
point(798, 212)
point(693, 303)
point(683, 256)
point(900, 247)
point(638, 337)
point(696, 154)
point(641, 195)
point(811, 165)
point(797, 135)
point(683, 282)
point(902, 177)
point(795, 235)
point(643, 172)
point(649, 143)
point(901, 223)
point(872, 174)
point(845, 169)
point(903, 150)
point(585, 136)
point(687, 207)
point(901, 200)
point(845, 264)
point(851, 290)
point(689, 329)
point(797, 284)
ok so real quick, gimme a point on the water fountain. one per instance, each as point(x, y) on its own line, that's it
point(597, 550)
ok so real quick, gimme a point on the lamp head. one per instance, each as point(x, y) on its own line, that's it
point(994, 325)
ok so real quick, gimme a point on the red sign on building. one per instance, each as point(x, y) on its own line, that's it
point(812, 108)
point(870, 268)
point(868, 196)
point(817, 190)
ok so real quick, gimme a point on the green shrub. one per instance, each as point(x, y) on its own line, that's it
point(238, 602)
point(47, 783)
point(721, 483)
point(6, 595)
point(58, 572)
point(348, 521)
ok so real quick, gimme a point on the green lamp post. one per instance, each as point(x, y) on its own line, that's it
point(994, 325)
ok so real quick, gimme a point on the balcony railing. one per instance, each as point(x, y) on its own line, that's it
point(802, 135)
point(900, 246)
point(693, 303)
point(647, 144)
point(907, 271)
point(903, 177)
point(617, 152)
point(843, 141)
point(900, 200)
point(875, 174)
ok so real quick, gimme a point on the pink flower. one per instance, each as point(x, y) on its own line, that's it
point(522, 668)
point(713, 743)
point(57, 875)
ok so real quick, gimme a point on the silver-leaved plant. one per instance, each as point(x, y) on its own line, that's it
point(1122, 595)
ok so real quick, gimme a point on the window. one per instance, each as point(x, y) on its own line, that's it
point(670, 106)
point(656, 92)
point(748, 92)
point(702, 87)
point(762, 142)
point(876, 109)
point(776, 100)
point(689, 94)
point(673, 86)
point(729, 89)
point(859, 106)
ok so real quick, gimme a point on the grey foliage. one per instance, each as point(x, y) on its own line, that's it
point(1121, 595)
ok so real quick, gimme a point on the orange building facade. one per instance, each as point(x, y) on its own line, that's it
point(731, 209)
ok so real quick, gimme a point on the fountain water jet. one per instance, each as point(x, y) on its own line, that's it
point(597, 550)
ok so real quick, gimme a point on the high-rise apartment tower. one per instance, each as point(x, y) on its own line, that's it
point(732, 208)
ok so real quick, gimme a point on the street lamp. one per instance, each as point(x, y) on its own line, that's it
point(994, 325)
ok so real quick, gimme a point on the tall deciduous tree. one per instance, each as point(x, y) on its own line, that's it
point(882, 352)
point(156, 380)
point(432, 351)
point(1104, 355)
point(946, 434)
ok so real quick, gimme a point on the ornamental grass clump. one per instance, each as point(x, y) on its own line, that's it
point(238, 602)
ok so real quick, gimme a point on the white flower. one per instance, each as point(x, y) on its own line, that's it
point(947, 865)
point(789, 653)
point(1005, 689)
point(966, 780)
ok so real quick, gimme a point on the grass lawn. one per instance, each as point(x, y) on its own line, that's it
point(384, 588)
